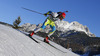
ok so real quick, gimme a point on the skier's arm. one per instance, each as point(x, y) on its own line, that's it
point(48, 13)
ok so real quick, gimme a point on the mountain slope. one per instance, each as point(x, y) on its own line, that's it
point(14, 43)
point(62, 27)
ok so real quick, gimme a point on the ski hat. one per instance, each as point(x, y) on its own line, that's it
point(54, 14)
point(62, 15)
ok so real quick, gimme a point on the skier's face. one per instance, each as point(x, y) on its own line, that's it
point(61, 17)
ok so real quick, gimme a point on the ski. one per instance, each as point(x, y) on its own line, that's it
point(34, 39)
point(52, 46)
point(28, 36)
point(41, 40)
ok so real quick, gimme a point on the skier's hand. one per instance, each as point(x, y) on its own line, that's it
point(45, 14)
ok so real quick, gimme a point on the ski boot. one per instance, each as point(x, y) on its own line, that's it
point(31, 34)
point(46, 39)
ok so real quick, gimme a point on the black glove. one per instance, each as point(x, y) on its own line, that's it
point(66, 11)
point(45, 14)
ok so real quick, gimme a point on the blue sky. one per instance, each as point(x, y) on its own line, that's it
point(86, 12)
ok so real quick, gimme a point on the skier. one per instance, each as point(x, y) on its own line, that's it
point(53, 16)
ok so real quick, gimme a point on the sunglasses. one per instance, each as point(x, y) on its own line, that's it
point(61, 17)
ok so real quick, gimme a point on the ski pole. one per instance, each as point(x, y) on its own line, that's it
point(32, 11)
point(35, 11)
point(65, 11)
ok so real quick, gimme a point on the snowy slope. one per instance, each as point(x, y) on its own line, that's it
point(15, 43)
point(66, 26)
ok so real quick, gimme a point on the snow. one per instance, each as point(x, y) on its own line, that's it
point(70, 26)
point(66, 26)
point(15, 43)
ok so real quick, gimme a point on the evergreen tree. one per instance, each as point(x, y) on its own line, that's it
point(16, 23)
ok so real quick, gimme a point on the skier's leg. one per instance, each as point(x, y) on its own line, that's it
point(47, 21)
point(39, 29)
point(53, 30)
point(35, 31)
